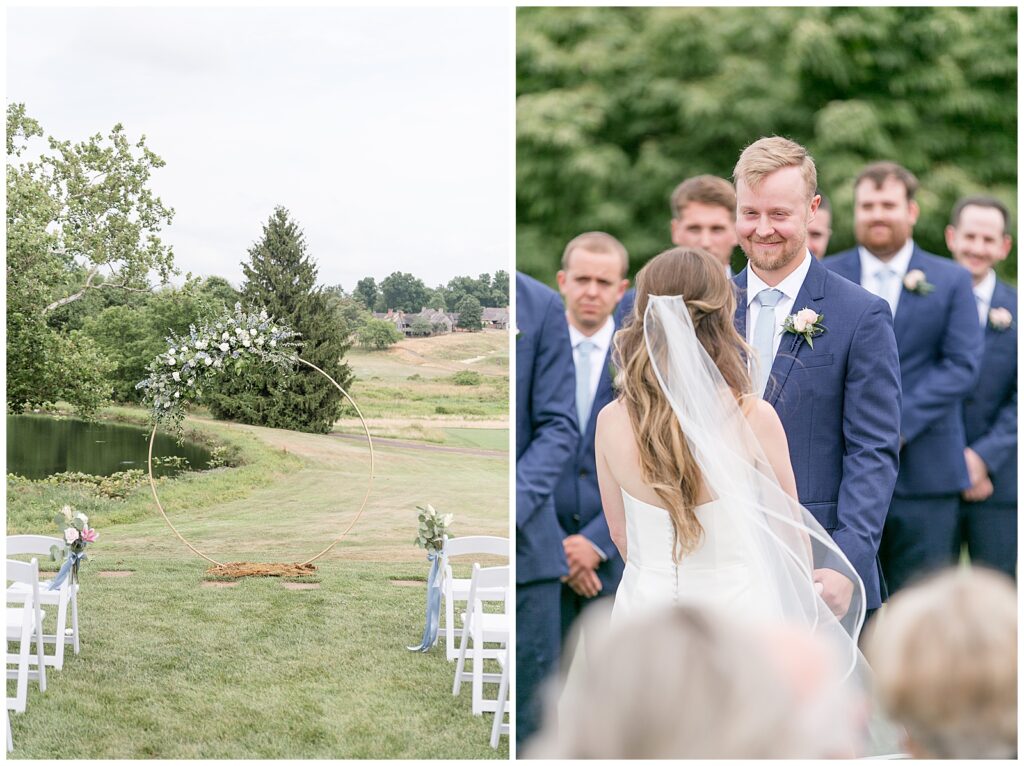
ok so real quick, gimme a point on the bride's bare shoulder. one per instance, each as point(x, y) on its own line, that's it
point(613, 417)
point(763, 419)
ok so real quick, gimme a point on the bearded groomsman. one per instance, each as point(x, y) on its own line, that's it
point(978, 239)
point(838, 399)
point(592, 281)
point(940, 342)
point(546, 439)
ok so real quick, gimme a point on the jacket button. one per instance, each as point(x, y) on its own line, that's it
point(583, 473)
point(575, 517)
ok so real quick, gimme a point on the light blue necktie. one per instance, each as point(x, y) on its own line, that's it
point(982, 305)
point(583, 401)
point(764, 333)
point(884, 276)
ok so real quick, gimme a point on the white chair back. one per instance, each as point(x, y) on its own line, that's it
point(22, 622)
point(20, 544)
point(453, 589)
point(468, 544)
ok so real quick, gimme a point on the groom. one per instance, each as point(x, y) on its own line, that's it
point(839, 401)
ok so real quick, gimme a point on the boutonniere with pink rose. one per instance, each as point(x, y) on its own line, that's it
point(1000, 319)
point(807, 323)
point(915, 282)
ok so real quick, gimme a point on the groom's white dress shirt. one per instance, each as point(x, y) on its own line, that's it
point(789, 287)
point(871, 266)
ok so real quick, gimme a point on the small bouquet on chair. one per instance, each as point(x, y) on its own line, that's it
point(433, 527)
point(77, 535)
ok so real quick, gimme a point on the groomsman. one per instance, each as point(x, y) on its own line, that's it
point(839, 401)
point(704, 216)
point(592, 282)
point(546, 439)
point(819, 231)
point(978, 239)
point(940, 342)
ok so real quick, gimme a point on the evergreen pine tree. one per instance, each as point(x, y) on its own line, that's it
point(281, 278)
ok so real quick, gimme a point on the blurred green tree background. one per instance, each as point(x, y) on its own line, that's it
point(615, 106)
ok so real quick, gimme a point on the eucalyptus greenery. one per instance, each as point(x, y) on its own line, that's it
point(231, 342)
point(433, 526)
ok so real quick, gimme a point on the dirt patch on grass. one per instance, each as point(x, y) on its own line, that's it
point(301, 585)
point(409, 583)
point(219, 583)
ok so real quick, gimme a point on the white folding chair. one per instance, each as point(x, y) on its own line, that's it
point(24, 622)
point(499, 726)
point(60, 597)
point(480, 628)
point(455, 589)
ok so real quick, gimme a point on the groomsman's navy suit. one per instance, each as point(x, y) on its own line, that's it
point(839, 404)
point(990, 417)
point(578, 504)
point(546, 439)
point(939, 340)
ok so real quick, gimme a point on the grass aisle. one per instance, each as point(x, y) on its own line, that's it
point(172, 668)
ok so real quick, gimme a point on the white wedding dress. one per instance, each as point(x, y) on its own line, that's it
point(717, 573)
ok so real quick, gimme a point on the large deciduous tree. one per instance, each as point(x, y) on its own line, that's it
point(404, 291)
point(615, 106)
point(281, 278)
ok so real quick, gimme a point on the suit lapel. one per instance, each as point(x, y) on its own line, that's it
point(740, 318)
point(907, 306)
point(812, 291)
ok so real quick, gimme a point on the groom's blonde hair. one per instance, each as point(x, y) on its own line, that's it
point(766, 155)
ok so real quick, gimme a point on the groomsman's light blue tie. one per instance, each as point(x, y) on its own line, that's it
point(764, 333)
point(583, 400)
point(982, 305)
point(885, 276)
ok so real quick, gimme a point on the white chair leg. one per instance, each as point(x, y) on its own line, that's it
point(499, 715)
point(478, 672)
point(74, 616)
point(461, 664)
point(58, 638)
point(10, 739)
point(449, 629)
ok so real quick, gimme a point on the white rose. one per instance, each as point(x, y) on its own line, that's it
point(66, 510)
point(259, 340)
point(172, 351)
point(273, 329)
point(70, 535)
point(273, 343)
point(176, 375)
point(216, 362)
point(238, 331)
point(208, 360)
point(177, 394)
point(224, 346)
point(263, 315)
point(804, 319)
point(252, 331)
point(172, 361)
point(225, 336)
point(913, 279)
point(166, 405)
point(191, 381)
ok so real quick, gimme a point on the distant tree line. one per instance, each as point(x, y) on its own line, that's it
point(400, 291)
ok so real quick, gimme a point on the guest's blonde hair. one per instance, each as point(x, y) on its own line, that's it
point(766, 155)
point(945, 656)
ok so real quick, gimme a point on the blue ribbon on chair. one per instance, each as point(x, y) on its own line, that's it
point(69, 563)
point(433, 604)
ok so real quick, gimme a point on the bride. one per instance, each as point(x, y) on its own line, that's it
point(694, 469)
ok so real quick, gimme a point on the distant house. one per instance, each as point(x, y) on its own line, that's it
point(496, 319)
point(441, 323)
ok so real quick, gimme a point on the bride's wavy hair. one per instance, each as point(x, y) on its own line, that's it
point(666, 463)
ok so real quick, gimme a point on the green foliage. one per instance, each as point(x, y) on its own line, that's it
point(378, 334)
point(281, 278)
point(117, 486)
point(467, 378)
point(71, 212)
point(432, 528)
point(366, 291)
point(421, 327)
point(615, 106)
point(470, 313)
point(404, 291)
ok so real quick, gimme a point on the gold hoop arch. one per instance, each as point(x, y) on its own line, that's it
point(338, 539)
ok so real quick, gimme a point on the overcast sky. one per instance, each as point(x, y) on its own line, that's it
point(387, 133)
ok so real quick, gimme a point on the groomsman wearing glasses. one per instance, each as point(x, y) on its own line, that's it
point(978, 239)
point(939, 340)
point(592, 282)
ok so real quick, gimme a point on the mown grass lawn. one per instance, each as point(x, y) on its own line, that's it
point(173, 668)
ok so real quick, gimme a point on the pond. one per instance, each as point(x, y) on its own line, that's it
point(41, 445)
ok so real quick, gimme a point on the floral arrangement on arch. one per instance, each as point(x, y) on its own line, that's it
point(228, 342)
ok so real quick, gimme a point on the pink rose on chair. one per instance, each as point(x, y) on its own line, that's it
point(70, 535)
point(804, 318)
point(90, 535)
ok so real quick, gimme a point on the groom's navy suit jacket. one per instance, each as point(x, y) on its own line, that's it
point(577, 496)
point(990, 411)
point(546, 434)
point(839, 403)
point(940, 344)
